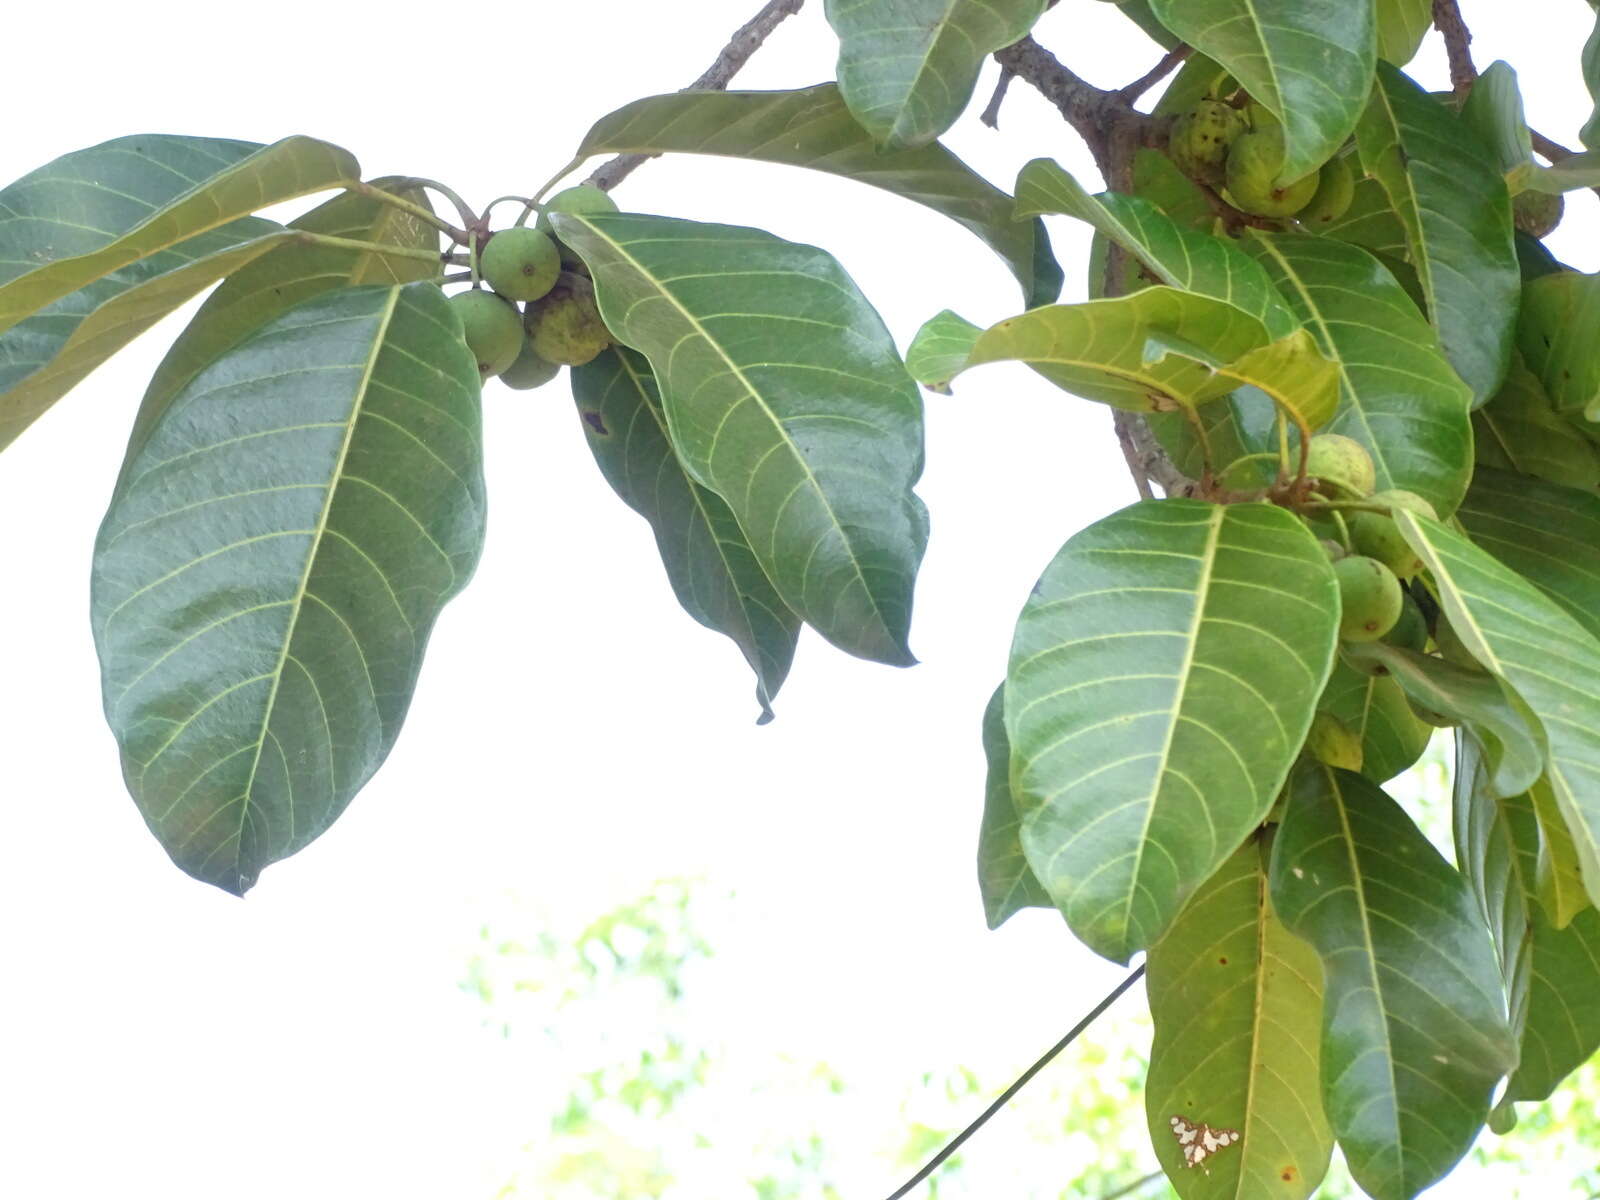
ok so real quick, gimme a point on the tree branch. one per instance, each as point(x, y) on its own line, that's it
point(1155, 74)
point(991, 112)
point(1457, 45)
point(1091, 111)
point(741, 46)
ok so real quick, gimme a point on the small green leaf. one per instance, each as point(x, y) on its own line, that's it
point(813, 128)
point(1568, 175)
point(1005, 880)
point(1311, 64)
point(907, 69)
point(709, 562)
point(1548, 658)
point(270, 567)
point(1183, 258)
point(785, 396)
point(1414, 1032)
point(1493, 111)
point(1399, 397)
point(1456, 209)
point(1560, 312)
point(1375, 708)
point(1519, 430)
point(1237, 1005)
point(1402, 24)
point(941, 349)
point(1172, 642)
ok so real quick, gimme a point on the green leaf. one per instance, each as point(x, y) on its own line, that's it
point(1171, 643)
point(1514, 756)
point(112, 238)
point(709, 562)
point(1138, 11)
point(1184, 258)
point(1548, 534)
point(1549, 660)
point(1456, 209)
point(1007, 883)
point(1493, 112)
point(1557, 875)
point(785, 396)
point(1402, 24)
point(1399, 398)
point(271, 565)
point(1560, 312)
point(907, 68)
point(1370, 222)
point(1590, 134)
point(1519, 430)
point(813, 128)
point(1414, 1032)
point(1159, 349)
point(1237, 1005)
point(1375, 708)
point(1311, 64)
point(1568, 175)
point(941, 349)
point(289, 275)
point(1552, 974)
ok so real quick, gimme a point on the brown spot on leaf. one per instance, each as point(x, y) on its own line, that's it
point(1223, 961)
point(595, 422)
point(1288, 1175)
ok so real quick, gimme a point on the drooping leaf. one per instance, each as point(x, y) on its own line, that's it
point(1402, 24)
point(785, 396)
point(1493, 112)
point(1557, 876)
point(1414, 1034)
point(103, 242)
point(1311, 64)
point(1456, 209)
point(941, 349)
point(1183, 258)
point(1560, 312)
point(1548, 659)
point(290, 274)
point(1568, 175)
point(813, 128)
point(1237, 1005)
point(1520, 431)
point(907, 67)
point(271, 565)
point(1005, 880)
point(1399, 397)
point(1375, 709)
point(1159, 349)
point(1171, 643)
point(709, 561)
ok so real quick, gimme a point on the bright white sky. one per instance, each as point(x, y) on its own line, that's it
point(575, 735)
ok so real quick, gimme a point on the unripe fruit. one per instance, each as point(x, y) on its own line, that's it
point(492, 328)
point(1332, 549)
point(1410, 632)
point(585, 198)
point(1333, 742)
point(1199, 141)
point(1340, 465)
point(565, 326)
point(1336, 189)
point(1254, 160)
point(520, 263)
point(1379, 537)
point(1538, 213)
point(1370, 598)
point(529, 371)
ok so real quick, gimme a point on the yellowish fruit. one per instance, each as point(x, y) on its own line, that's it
point(1379, 537)
point(1370, 599)
point(1333, 742)
point(1538, 213)
point(1336, 189)
point(1199, 140)
point(492, 329)
point(520, 263)
point(1254, 160)
point(1340, 466)
point(565, 326)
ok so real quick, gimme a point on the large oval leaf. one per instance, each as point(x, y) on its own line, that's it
point(1414, 1033)
point(1549, 660)
point(1163, 676)
point(1453, 201)
point(1311, 64)
point(1237, 1005)
point(272, 563)
point(1398, 396)
point(111, 238)
point(709, 562)
point(784, 395)
point(1005, 880)
point(813, 128)
point(1402, 24)
point(907, 67)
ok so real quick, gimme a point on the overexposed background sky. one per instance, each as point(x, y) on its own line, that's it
point(575, 736)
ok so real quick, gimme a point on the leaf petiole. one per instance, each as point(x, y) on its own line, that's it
point(385, 248)
point(421, 211)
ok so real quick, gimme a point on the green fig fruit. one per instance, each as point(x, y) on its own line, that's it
point(492, 328)
point(564, 326)
point(529, 370)
point(1333, 742)
point(1378, 537)
point(1254, 160)
point(1538, 213)
point(1199, 141)
point(585, 198)
point(1370, 598)
point(520, 263)
point(1410, 632)
point(1340, 466)
point(1336, 189)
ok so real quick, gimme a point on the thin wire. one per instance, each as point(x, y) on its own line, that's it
point(955, 1143)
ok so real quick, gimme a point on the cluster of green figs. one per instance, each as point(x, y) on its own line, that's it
point(537, 313)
